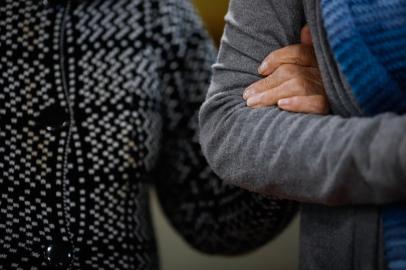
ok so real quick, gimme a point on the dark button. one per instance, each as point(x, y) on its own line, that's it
point(52, 2)
point(59, 256)
point(57, 2)
point(52, 118)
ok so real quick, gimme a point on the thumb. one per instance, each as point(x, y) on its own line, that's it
point(306, 36)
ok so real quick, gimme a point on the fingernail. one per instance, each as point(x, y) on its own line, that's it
point(248, 92)
point(254, 100)
point(283, 102)
point(262, 68)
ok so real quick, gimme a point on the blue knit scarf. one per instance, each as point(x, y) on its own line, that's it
point(368, 40)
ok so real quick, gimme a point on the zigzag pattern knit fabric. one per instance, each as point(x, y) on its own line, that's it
point(368, 39)
point(98, 100)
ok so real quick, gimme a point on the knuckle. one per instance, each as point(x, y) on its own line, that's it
point(266, 81)
point(268, 99)
point(259, 85)
point(307, 88)
point(296, 60)
point(299, 83)
point(288, 68)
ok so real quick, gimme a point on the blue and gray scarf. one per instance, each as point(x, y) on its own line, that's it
point(368, 39)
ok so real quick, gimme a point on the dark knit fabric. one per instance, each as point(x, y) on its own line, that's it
point(99, 101)
point(368, 39)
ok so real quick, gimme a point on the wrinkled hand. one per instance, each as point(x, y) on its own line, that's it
point(293, 81)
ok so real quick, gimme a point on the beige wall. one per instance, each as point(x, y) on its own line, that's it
point(213, 12)
point(280, 254)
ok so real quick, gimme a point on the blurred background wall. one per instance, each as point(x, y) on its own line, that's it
point(280, 254)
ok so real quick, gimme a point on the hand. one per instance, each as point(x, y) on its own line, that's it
point(293, 80)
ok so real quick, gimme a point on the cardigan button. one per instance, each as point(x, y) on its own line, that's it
point(53, 118)
point(53, 2)
point(58, 256)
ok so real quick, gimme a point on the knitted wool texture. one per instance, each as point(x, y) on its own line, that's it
point(368, 40)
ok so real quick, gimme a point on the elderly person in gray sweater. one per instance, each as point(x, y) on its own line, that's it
point(340, 167)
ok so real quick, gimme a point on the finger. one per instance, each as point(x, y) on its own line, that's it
point(297, 54)
point(270, 97)
point(285, 73)
point(266, 84)
point(317, 104)
point(306, 36)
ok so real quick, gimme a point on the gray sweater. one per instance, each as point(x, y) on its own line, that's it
point(340, 167)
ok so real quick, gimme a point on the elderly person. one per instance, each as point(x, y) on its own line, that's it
point(341, 167)
point(98, 100)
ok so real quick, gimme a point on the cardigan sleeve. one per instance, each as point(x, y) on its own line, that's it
point(212, 216)
point(308, 158)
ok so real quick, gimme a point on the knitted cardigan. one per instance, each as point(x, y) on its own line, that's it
point(368, 39)
point(98, 102)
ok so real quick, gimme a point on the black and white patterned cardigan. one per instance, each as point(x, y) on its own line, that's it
point(98, 99)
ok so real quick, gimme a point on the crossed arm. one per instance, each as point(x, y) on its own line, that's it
point(322, 159)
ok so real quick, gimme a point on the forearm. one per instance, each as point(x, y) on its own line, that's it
point(220, 219)
point(308, 158)
point(326, 160)
point(212, 216)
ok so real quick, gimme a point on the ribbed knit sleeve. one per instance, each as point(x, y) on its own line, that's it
point(321, 159)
